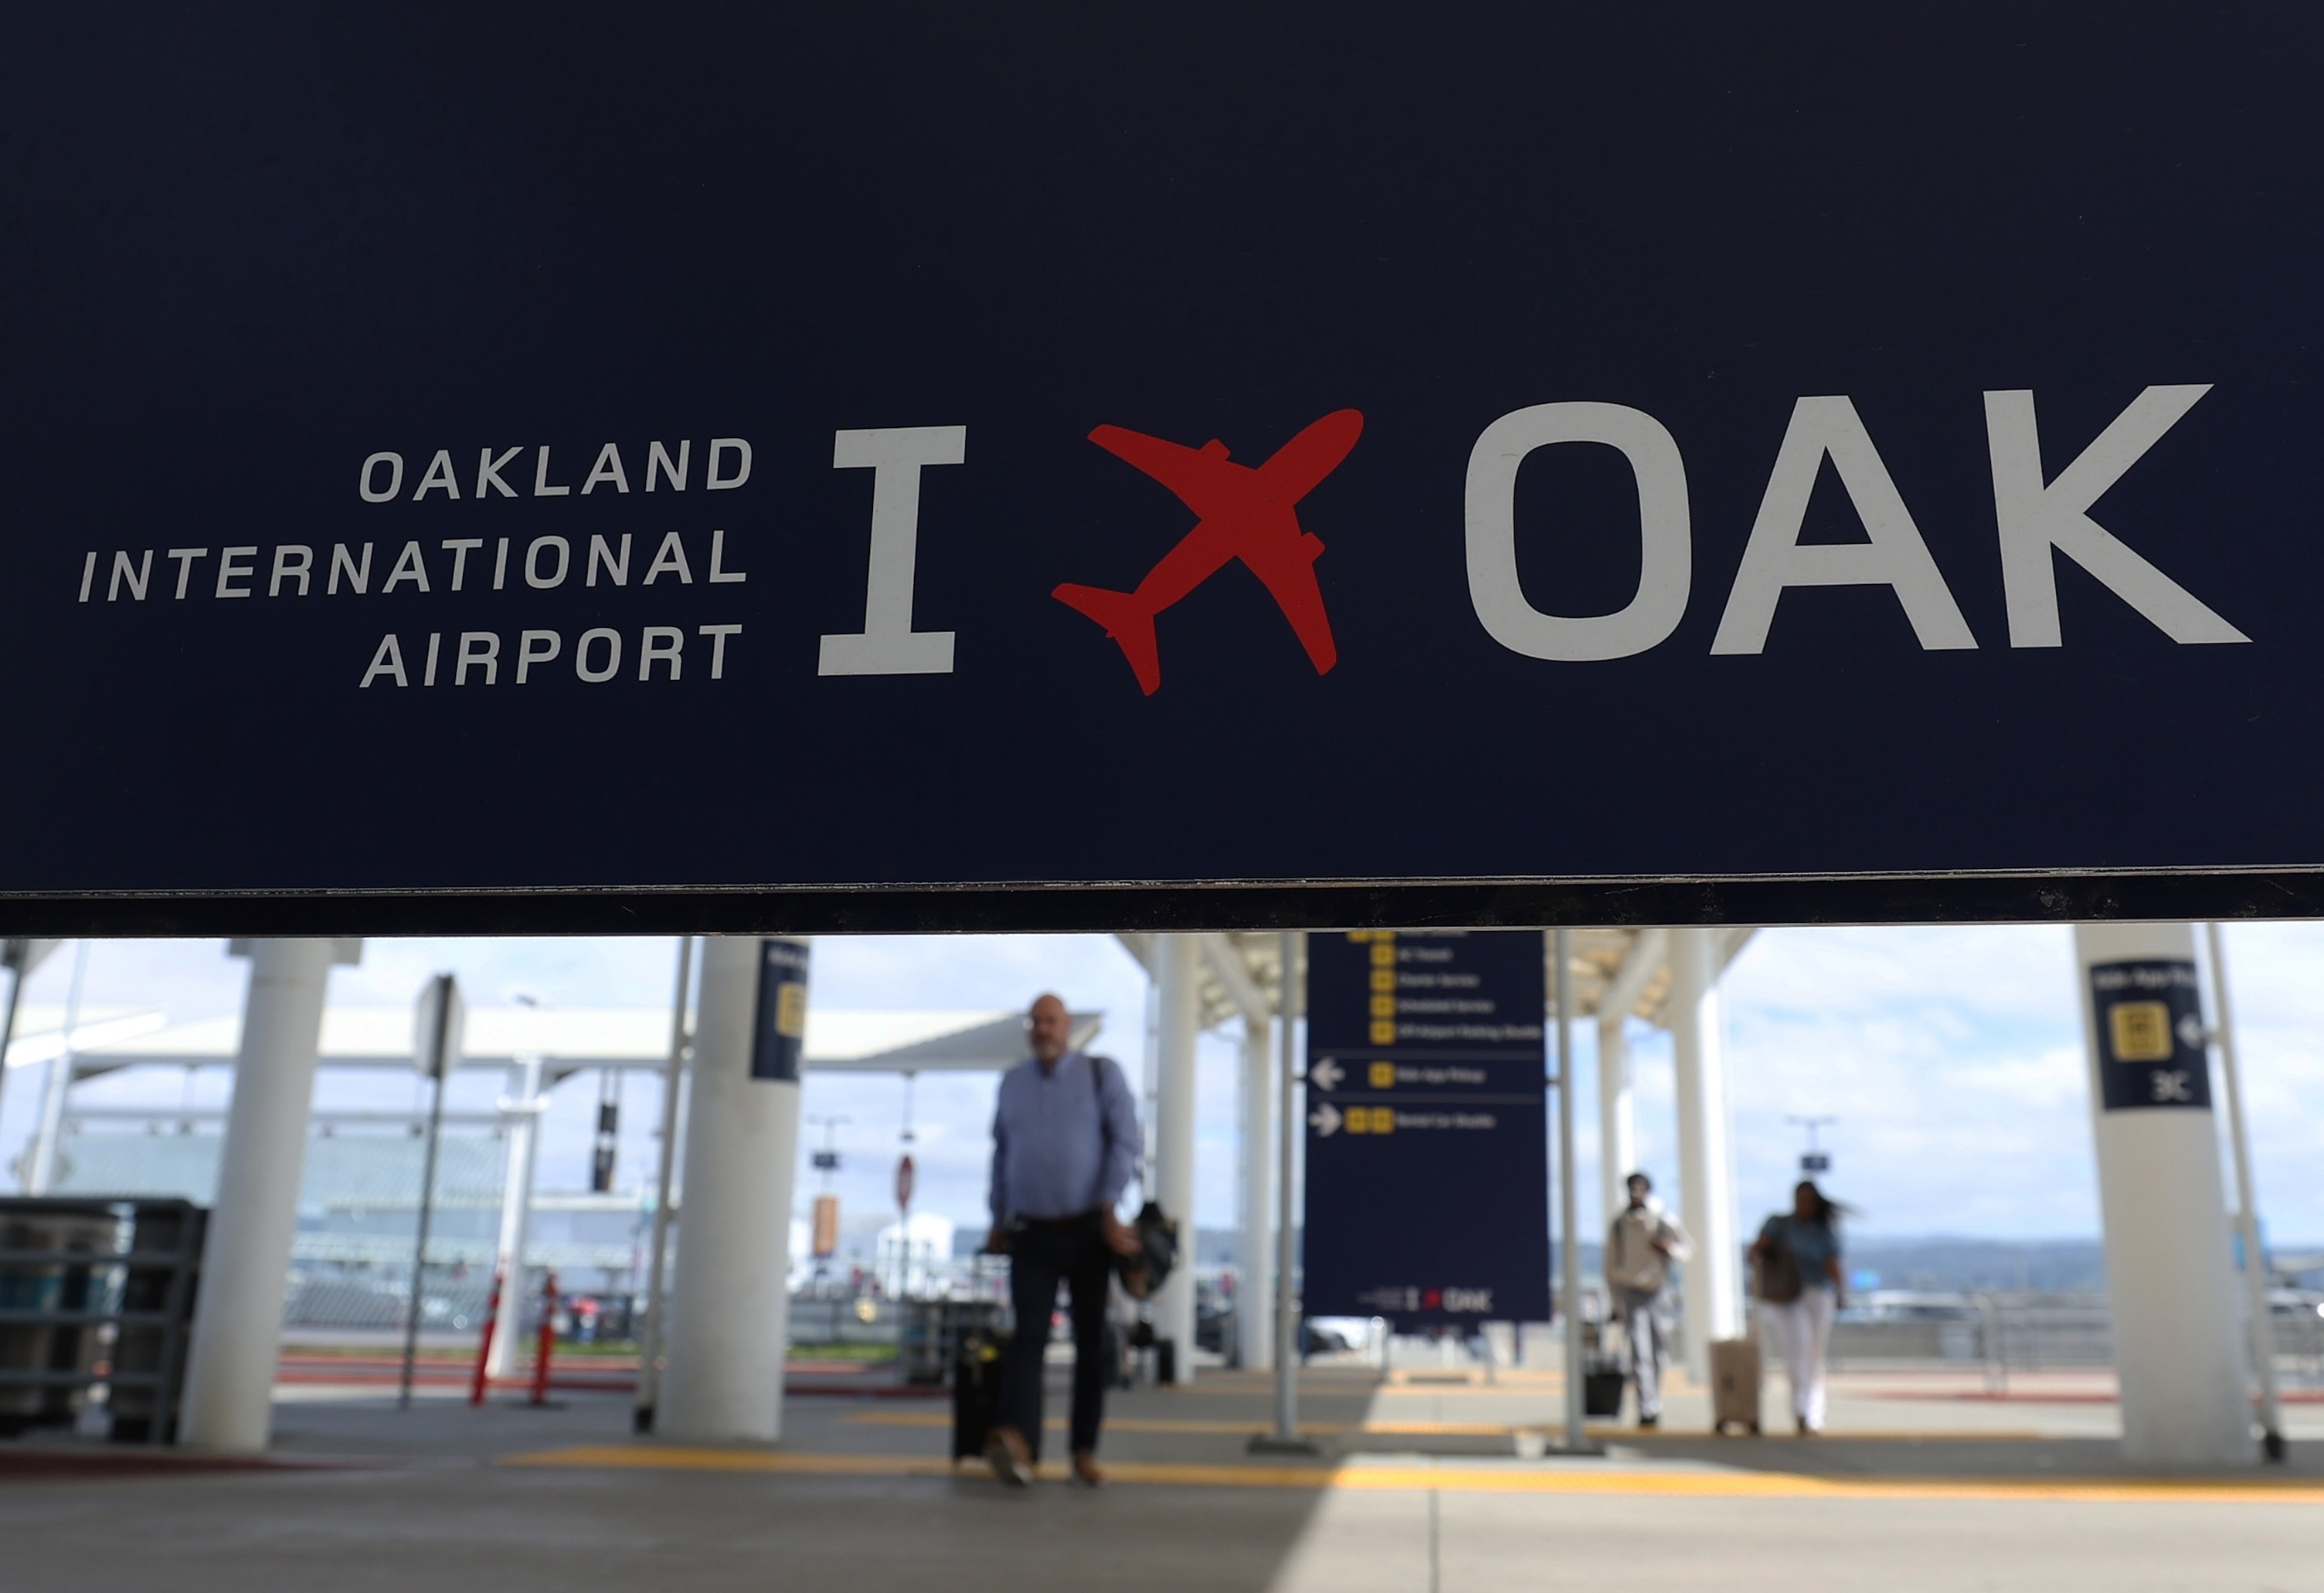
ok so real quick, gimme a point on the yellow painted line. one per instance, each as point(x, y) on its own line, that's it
point(937, 1418)
point(1458, 1479)
point(1116, 1425)
point(1243, 1428)
point(662, 1458)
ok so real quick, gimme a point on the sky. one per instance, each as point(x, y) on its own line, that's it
point(1951, 1058)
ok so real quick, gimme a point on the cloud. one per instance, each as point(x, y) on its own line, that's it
point(2000, 972)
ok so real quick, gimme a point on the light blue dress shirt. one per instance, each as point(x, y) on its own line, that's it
point(1063, 1142)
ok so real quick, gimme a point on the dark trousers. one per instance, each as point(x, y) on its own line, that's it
point(1041, 1254)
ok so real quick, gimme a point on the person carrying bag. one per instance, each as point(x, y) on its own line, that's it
point(1642, 1242)
point(1796, 1262)
point(1065, 1139)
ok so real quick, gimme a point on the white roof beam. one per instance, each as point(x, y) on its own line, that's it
point(1141, 948)
point(1234, 975)
point(1646, 957)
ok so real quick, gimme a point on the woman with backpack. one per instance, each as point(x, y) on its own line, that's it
point(1796, 1259)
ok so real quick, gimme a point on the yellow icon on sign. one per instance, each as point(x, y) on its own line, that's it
point(1383, 1006)
point(1383, 956)
point(791, 1010)
point(1383, 1075)
point(1384, 979)
point(1359, 1120)
point(1383, 1119)
point(1359, 936)
point(2142, 1031)
point(1384, 1032)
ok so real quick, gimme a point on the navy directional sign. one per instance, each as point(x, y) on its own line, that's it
point(2153, 1050)
point(779, 1018)
point(1428, 1189)
point(506, 466)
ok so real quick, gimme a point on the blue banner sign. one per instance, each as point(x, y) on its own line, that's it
point(505, 467)
point(778, 1025)
point(2152, 1048)
point(1427, 1183)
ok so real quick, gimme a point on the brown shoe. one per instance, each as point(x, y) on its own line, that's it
point(1011, 1461)
point(1087, 1471)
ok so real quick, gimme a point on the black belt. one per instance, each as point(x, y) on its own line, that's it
point(1076, 1220)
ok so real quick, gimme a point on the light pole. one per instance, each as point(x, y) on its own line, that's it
point(673, 1076)
point(437, 1029)
point(1285, 1439)
point(1814, 1160)
point(2263, 1326)
point(1577, 1437)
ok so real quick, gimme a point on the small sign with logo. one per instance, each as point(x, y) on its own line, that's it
point(779, 1033)
point(2151, 1039)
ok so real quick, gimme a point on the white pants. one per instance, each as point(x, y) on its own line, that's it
point(1647, 1322)
point(1799, 1332)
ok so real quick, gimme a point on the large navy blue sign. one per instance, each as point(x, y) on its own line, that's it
point(1428, 1151)
point(1592, 462)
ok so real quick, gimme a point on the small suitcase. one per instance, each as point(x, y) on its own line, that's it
point(1602, 1378)
point(975, 1392)
point(1733, 1385)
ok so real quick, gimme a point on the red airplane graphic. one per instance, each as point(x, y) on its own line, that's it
point(1246, 513)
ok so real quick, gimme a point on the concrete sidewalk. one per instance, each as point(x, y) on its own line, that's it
point(1419, 1488)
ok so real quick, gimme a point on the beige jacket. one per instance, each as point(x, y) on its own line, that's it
point(1632, 1262)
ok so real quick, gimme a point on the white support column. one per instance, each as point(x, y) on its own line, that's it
point(730, 1311)
point(56, 1085)
point(2178, 1348)
point(40, 1164)
point(1618, 1130)
point(1177, 998)
point(1618, 1118)
point(1254, 1258)
point(1712, 1275)
point(246, 1257)
point(521, 1115)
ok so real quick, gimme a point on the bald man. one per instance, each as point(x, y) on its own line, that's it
point(1065, 1146)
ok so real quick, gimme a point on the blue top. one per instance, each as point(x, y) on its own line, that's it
point(1053, 1155)
point(1813, 1245)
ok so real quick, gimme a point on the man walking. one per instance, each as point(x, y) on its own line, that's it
point(1064, 1143)
point(1641, 1243)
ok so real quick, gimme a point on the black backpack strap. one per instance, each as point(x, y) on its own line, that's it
point(1098, 1064)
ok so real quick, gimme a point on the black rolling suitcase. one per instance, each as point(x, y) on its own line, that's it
point(975, 1392)
point(1602, 1381)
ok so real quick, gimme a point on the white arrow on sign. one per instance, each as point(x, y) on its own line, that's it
point(2191, 1032)
point(1325, 1074)
point(1324, 1119)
